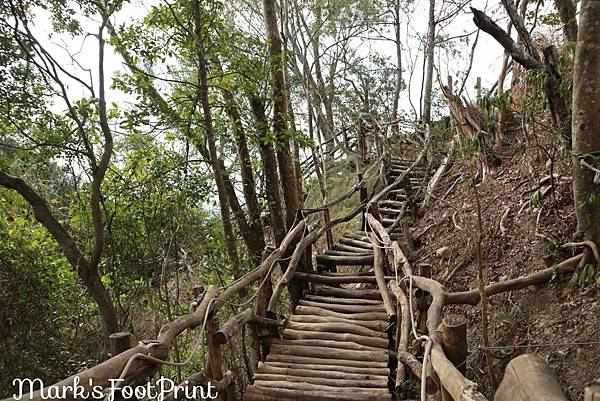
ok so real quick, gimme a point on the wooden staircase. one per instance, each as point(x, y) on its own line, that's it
point(335, 345)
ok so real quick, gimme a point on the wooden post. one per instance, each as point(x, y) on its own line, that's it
point(214, 368)
point(454, 343)
point(478, 88)
point(529, 377)
point(120, 342)
point(592, 393)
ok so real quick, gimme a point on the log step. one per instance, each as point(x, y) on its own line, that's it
point(339, 300)
point(328, 291)
point(336, 327)
point(358, 260)
point(355, 249)
point(262, 393)
point(343, 308)
point(272, 368)
point(325, 370)
point(300, 335)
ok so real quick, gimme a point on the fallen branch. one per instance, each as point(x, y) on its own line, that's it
point(472, 297)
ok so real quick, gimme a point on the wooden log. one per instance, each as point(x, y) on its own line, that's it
point(348, 301)
point(343, 308)
point(329, 343)
point(346, 253)
point(99, 375)
point(293, 370)
point(381, 284)
point(528, 377)
point(232, 326)
point(336, 328)
point(346, 293)
point(329, 353)
point(356, 243)
point(171, 330)
point(369, 316)
point(333, 363)
point(416, 368)
point(338, 279)
point(120, 342)
point(458, 386)
point(454, 344)
point(348, 383)
point(454, 340)
point(334, 369)
point(376, 342)
point(592, 393)
point(255, 393)
point(364, 260)
point(319, 387)
point(472, 297)
point(354, 249)
point(404, 332)
point(376, 325)
point(214, 367)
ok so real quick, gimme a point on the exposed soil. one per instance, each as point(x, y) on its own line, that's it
point(544, 314)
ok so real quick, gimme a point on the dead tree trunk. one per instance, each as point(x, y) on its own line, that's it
point(398, 86)
point(586, 122)
point(530, 60)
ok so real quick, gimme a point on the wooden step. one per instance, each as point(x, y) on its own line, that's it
point(349, 248)
point(330, 279)
point(381, 383)
point(316, 342)
point(339, 300)
point(358, 260)
point(279, 391)
point(363, 316)
point(325, 369)
point(346, 253)
point(303, 371)
point(294, 359)
point(343, 308)
point(356, 243)
point(300, 335)
point(328, 291)
point(336, 328)
point(380, 326)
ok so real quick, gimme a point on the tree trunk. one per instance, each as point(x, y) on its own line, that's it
point(586, 121)
point(398, 87)
point(87, 273)
point(426, 117)
point(280, 118)
point(269, 161)
point(567, 12)
point(256, 240)
point(210, 139)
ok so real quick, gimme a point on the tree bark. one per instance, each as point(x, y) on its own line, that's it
point(567, 12)
point(256, 240)
point(586, 121)
point(211, 141)
point(272, 185)
point(430, 51)
point(280, 119)
point(398, 87)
